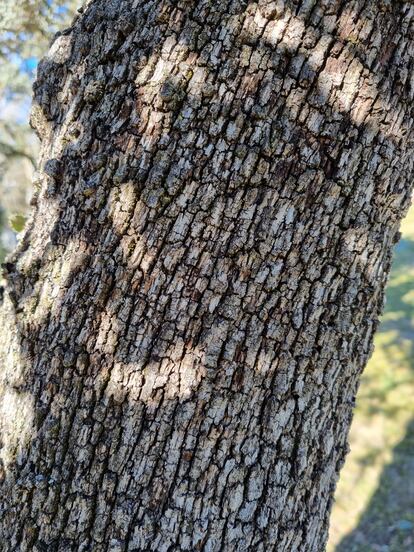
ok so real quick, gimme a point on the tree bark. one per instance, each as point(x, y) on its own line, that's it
point(187, 315)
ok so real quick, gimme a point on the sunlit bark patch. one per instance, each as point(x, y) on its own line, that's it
point(16, 400)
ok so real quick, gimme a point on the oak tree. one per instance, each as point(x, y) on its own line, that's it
point(193, 300)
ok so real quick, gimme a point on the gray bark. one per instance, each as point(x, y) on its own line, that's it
point(187, 315)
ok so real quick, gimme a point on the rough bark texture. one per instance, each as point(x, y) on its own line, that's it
point(194, 298)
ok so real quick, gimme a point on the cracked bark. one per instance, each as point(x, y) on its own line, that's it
point(188, 313)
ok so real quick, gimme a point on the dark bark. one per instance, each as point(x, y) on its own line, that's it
point(188, 313)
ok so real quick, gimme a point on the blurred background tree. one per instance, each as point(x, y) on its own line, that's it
point(26, 28)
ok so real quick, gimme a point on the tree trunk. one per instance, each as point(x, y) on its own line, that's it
point(189, 310)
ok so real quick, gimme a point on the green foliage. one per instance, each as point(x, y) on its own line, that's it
point(17, 222)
